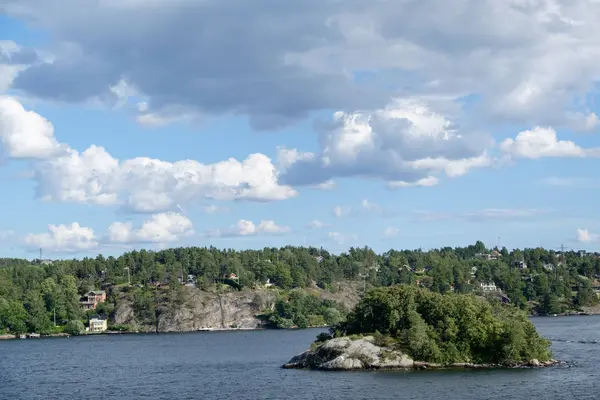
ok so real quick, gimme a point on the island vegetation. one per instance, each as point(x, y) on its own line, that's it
point(43, 296)
point(446, 329)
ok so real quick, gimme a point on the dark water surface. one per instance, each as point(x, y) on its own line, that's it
point(246, 365)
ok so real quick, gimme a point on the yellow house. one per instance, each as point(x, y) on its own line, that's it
point(98, 323)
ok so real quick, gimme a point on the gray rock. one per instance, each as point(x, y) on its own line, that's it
point(346, 354)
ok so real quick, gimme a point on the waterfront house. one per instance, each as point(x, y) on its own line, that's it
point(98, 323)
point(268, 283)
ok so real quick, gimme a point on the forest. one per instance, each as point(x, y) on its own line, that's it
point(36, 293)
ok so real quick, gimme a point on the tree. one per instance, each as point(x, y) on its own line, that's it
point(74, 327)
point(37, 319)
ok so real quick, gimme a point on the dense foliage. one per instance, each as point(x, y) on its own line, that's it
point(304, 310)
point(33, 292)
point(450, 328)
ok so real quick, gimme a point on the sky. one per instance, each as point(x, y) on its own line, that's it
point(334, 123)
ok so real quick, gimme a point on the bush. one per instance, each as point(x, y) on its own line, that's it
point(74, 328)
point(324, 336)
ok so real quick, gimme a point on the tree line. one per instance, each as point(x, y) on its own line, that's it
point(33, 292)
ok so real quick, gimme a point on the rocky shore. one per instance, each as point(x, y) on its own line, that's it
point(347, 354)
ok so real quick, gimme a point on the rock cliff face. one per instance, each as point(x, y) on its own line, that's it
point(346, 354)
point(201, 310)
point(205, 310)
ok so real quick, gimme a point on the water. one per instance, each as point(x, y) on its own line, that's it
point(246, 365)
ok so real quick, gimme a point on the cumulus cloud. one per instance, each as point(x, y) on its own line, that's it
point(585, 236)
point(25, 134)
point(161, 228)
point(530, 62)
point(64, 238)
point(13, 60)
point(543, 142)
point(150, 185)
point(248, 228)
point(406, 144)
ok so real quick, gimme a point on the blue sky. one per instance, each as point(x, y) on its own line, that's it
point(287, 128)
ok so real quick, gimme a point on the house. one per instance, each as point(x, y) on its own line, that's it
point(582, 253)
point(473, 272)
point(488, 286)
point(268, 283)
point(549, 267)
point(494, 255)
point(521, 264)
point(98, 323)
point(319, 259)
point(92, 299)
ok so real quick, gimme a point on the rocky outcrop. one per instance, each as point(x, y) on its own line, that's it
point(346, 354)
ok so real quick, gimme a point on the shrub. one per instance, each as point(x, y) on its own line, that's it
point(74, 328)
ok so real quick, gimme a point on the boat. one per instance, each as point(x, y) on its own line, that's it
point(22, 336)
point(34, 335)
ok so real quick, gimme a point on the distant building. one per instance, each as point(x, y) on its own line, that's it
point(92, 299)
point(521, 264)
point(98, 323)
point(268, 283)
point(473, 272)
point(488, 287)
point(582, 253)
point(549, 267)
point(319, 259)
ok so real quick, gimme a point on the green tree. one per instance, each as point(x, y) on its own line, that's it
point(74, 327)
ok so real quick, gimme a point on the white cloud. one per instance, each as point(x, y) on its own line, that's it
point(543, 142)
point(341, 239)
point(149, 185)
point(585, 236)
point(370, 206)
point(161, 228)
point(327, 185)
point(7, 234)
point(248, 228)
point(391, 232)
point(64, 238)
point(424, 182)
point(316, 224)
point(213, 209)
point(25, 134)
point(341, 211)
point(406, 144)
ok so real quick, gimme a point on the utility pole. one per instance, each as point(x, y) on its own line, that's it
point(55, 317)
point(41, 255)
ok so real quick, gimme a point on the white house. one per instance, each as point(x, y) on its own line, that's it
point(488, 286)
point(98, 323)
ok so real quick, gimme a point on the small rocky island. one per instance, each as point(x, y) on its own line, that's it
point(405, 327)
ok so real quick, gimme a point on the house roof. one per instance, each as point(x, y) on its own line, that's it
point(100, 317)
point(95, 292)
